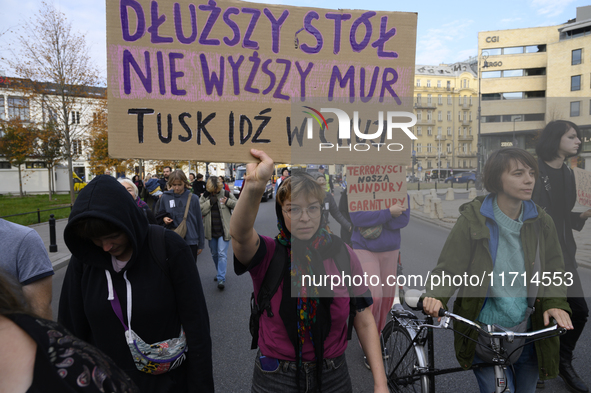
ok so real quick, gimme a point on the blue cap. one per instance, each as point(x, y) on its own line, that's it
point(321, 167)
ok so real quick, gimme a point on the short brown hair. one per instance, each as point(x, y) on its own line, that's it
point(298, 183)
point(500, 162)
point(178, 175)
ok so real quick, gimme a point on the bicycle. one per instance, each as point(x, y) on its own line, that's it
point(407, 343)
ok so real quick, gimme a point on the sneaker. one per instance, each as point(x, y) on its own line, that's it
point(221, 284)
point(215, 278)
point(366, 363)
point(540, 384)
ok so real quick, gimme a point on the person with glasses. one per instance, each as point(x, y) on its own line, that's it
point(303, 336)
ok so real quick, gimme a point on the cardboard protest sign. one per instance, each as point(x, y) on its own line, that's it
point(376, 187)
point(583, 181)
point(209, 80)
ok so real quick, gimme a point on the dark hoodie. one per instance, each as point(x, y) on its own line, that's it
point(160, 304)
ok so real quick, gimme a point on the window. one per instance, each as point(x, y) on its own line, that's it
point(467, 83)
point(5, 165)
point(76, 147)
point(513, 96)
point(18, 107)
point(429, 164)
point(428, 83)
point(418, 98)
point(575, 82)
point(492, 52)
point(420, 115)
point(465, 149)
point(448, 99)
point(470, 100)
point(470, 116)
point(491, 74)
point(419, 131)
point(449, 131)
point(464, 129)
point(418, 83)
point(438, 83)
point(460, 115)
point(419, 148)
point(440, 99)
point(535, 71)
point(429, 147)
point(439, 148)
point(535, 48)
point(429, 98)
point(513, 50)
point(2, 114)
point(469, 130)
point(429, 131)
point(575, 108)
point(465, 116)
point(576, 56)
point(449, 115)
point(429, 116)
point(439, 117)
point(512, 73)
point(449, 147)
point(448, 85)
point(75, 117)
point(438, 131)
point(465, 164)
point(35, 165)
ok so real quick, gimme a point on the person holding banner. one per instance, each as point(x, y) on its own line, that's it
point(555, 191)
point(303, 334)
point(376, 241)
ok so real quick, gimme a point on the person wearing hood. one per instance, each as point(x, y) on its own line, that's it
point(112, 265)
point(493, 237)
point(303, 335)
point(174, 202)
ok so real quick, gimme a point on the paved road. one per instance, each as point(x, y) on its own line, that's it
point(229, 312)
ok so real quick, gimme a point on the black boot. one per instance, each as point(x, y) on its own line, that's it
point(571, 378)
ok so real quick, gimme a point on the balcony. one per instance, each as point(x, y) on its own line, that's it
point(466, 106)
point(424, 105)
point(425, 122)
point(467, 155)
point(465, 137)
point(466, 122)
point(440, 137)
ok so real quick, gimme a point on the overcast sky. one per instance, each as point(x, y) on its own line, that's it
point(447, 30)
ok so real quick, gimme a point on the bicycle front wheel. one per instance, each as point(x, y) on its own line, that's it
point(402, 366)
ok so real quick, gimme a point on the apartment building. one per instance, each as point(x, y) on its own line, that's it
point(446, 102)
point(532, 76)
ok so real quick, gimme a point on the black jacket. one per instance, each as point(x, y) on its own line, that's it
point(333, 210)
point(572, 220)
point(160, 304)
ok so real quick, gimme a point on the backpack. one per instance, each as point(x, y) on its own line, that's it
point(273, 278)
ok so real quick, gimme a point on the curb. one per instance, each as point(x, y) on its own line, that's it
point(60, 263)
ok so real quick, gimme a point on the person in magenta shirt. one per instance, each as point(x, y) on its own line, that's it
point(303, 340)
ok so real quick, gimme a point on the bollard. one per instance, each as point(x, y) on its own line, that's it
point(427, 206)
point(38, 216)
point(472, 194)
point(52, 238)
point(413, 202)
point(433, 193)
point(450, 196)
point(419, 185)
point(418, 199)
point(436, 208)
point(436, 185)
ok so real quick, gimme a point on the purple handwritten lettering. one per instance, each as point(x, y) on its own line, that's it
point(278, 93)
point(141, 20)
point(232, 25)
point(338, 18)
point(271, 74)
point(387, 84)
point(212, 80)
point(303, 76)
point(364, 18)
point(174, 74)
point(384, 37)
point(146, 79)
point(256, 61)
point(178, 24)
point(348, 78)
point(157, 21)
point(161, 80)
point(310, 16)
point(213, 17)
point(372, 87)
point(276, 27)
point(235, 75)
point(256, 14)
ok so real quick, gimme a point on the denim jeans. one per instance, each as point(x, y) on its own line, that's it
point(526, 369)
point(335, 377)
point(219, 253)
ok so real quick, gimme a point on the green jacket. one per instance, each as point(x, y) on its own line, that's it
point(466, 250)
point(225, 213)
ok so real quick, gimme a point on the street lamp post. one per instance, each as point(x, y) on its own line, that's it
point(516, 118)
point(484, 56)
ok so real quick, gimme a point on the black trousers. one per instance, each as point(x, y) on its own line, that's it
point(194, 251)
point(580, 313)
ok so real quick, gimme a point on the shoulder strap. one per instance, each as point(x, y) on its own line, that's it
point(158, 247)
point(187, 207)
point(273, 278)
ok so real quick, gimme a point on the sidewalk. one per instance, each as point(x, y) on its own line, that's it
point(61, 258)
point(451, 214)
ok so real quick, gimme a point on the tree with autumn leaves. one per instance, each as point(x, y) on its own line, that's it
point(17, 141)
point(54, 59)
